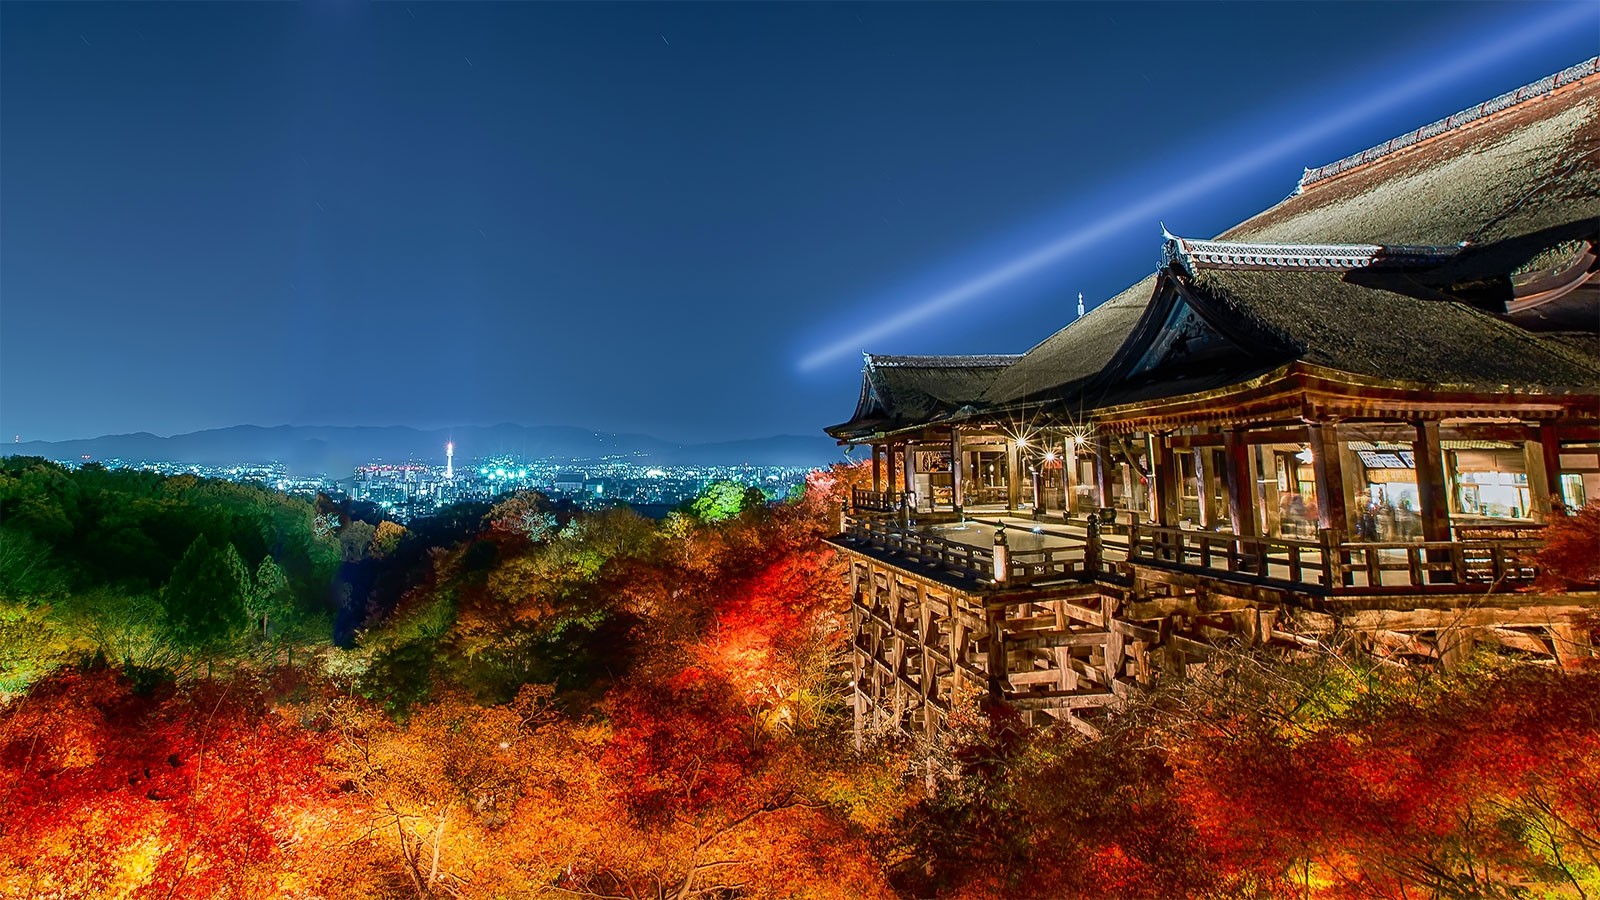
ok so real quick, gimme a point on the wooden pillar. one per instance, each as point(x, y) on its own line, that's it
point(888, 465)
point(1328, 465)
point(1069, 476)
point(877, 469)
point(1355, 484)
point(1241, 480)
point(1571, 643)
point(909, 469)
point(1431, 494)
point(1540, 478)
point(1205, 476)
point(1102, 472)
point(956, 465)
point(1551, 445)
point(1013, 476)
point(1114, 641)
point(999, 675)
point(1166, 502)
point(927, 682)
point(859, 585)
point(1550, 449)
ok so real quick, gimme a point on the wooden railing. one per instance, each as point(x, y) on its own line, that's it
point(1262, 559)
point(1046, 564)
point(967, 560)
point(1323, 566)
point(974, 561)
point(873, 501)
point(1350, 567)
point(1407, 567)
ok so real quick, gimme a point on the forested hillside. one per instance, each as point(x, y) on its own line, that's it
point(526, 701)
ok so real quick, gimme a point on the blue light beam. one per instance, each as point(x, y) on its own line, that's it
point(1146, 209)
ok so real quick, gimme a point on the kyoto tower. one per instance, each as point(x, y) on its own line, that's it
point(450, 460)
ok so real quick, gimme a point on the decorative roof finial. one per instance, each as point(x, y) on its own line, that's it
point(1080, 304)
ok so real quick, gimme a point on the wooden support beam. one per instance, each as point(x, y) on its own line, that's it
point(1240, 477)
point(909, 449)
point(1467, 617)
point(956, 467)
point(888, 453)
point(1075, 699)
point(1103, 472)
point(996, 623)
point(1431, 494)
point(1164, 481)
point(1550, 450)
point(1057, 639)
point(1327, 462)
point(1572, 644)
point(1014, 476)
point(877, 469)
point(1293, 435)
point(1206, 480)
point(1114, 647)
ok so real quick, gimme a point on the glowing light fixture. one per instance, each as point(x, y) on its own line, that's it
point(1002, 556)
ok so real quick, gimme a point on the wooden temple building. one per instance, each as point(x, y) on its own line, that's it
point(1344, 421)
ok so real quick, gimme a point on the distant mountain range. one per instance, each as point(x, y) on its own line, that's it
point(336, 450)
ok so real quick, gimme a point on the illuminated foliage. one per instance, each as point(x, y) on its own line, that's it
point(1571, 554)
point(599, 705)
point(202, 791)
point(725, 499)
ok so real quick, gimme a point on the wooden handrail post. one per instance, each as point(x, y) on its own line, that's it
point(1333, 573)
point(1092, 546)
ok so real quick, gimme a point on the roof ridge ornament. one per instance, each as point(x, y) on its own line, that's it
point(1505, 101)
point(1258, 255)
point(943, 361)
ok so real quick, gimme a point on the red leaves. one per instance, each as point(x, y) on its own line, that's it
point(197, 787)
point(1571, 554)
point(1410, 787)
point(679, 745)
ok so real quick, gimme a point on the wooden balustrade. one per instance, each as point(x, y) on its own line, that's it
point(967, 560)
point(873, 501)
point(1263, 559)
point(975, 561)
point(1406, 567)
point(1352, 567)
point(1046, 564)
point(1320, 566)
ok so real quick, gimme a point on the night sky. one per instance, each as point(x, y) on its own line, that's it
point(678, 220)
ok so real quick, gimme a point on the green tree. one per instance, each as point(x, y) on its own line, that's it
point(269, 597)
point(205, 597)
point(726, 499)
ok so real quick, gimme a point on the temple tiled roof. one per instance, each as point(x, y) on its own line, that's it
point(901, 390)
point(1377, 333)
point(1516, 172)
point(1464, 117)
point(1076, 353)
